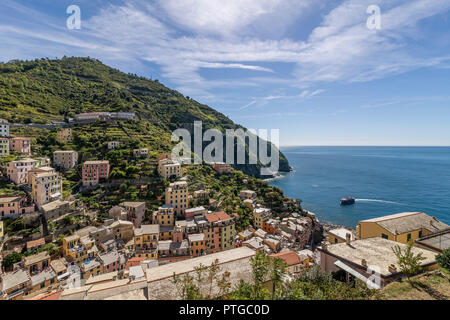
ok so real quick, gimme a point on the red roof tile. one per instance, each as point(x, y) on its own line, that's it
point(290, 257)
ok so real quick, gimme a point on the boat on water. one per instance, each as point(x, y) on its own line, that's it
point(347, 201)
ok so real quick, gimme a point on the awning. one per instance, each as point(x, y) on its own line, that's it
point(356, 274)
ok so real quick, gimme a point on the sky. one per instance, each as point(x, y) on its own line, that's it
point(316, 70)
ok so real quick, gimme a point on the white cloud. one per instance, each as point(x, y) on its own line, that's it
point(230, 34)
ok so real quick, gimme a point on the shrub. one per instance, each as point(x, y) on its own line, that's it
point(444, 259)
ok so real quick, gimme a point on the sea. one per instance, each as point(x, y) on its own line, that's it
point(384, 180)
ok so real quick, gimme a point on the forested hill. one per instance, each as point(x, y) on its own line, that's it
point(42, 91)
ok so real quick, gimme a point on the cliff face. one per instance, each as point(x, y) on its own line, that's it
point(43, 91)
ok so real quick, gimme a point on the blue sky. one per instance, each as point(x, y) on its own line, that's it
point(309, 68)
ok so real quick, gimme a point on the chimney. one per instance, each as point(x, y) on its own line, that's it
point(364, 262)
point(392, 268)
point(348, 238)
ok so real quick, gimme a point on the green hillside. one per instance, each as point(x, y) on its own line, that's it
point(44, 91)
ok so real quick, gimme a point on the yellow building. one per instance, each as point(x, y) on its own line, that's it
point(197, 244)
point(146, 241)
point(164, 216)
point(78, 249)
point(64, 135)
point(401, 227)
point(1, 229)
point(177, 196)
point(259, 216)
point(168, 168)
point(340, 235)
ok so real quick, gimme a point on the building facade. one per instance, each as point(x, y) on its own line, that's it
point(177, 196)
point(65, 159)
point(93, 171)
point(20, 145)
point(46, 187)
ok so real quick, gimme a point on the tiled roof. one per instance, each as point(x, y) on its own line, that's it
point(290, 257)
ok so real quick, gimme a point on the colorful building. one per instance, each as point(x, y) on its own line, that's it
point(177, 196)
point(401, 227)
point(4, 146)
point(20, 145)
point(221, 232)
point(146, 242)
point(168, 168)
point(36, 263)
point(259, 216)
point(221, 167)
point(93, 171)
point(64, 135)
point(14, 206)
point(197, 244)
point(17, 171)
point(339, 235)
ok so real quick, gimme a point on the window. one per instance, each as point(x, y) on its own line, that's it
point(384, 236)
point(420, 234)
point(408, 237)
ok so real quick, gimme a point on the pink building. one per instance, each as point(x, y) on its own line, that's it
point(14, 206)
point(112, 261)
point(93, 171)
point(20, 144)
point(17, 171)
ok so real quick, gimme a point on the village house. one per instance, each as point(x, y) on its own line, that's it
point(361, 258)
point(93, 171)
point(142, 153)
point(66, 160)
point(293, 261)
point(35, 244)
point(259, 216)
point(198, 211)
point(4, 128)
point(55, 209)
point(36, 263)
point(146, 241)
point(20, 145)
point(113, 145)
point(90, 268)
point(270, 226)
point(15, 284)
point(4, 146)
point(401, 227)
point(14, 206)
point(46, 187)
point(221, 232)
point(64, 135)
point(255, 243)
point(42, 280)
point(1, 229)
point(168, 168)
point(339, 235)
point(135, 212)
point(221, 167)
point(17, 171)
point(248, 194)
point(164, 216)
point(197, 243)
point(176, 195)
point(77, 249)
point(200, 195)
point(35, 171)
point(112, 261)
point(60, 267)
point(122, 230)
